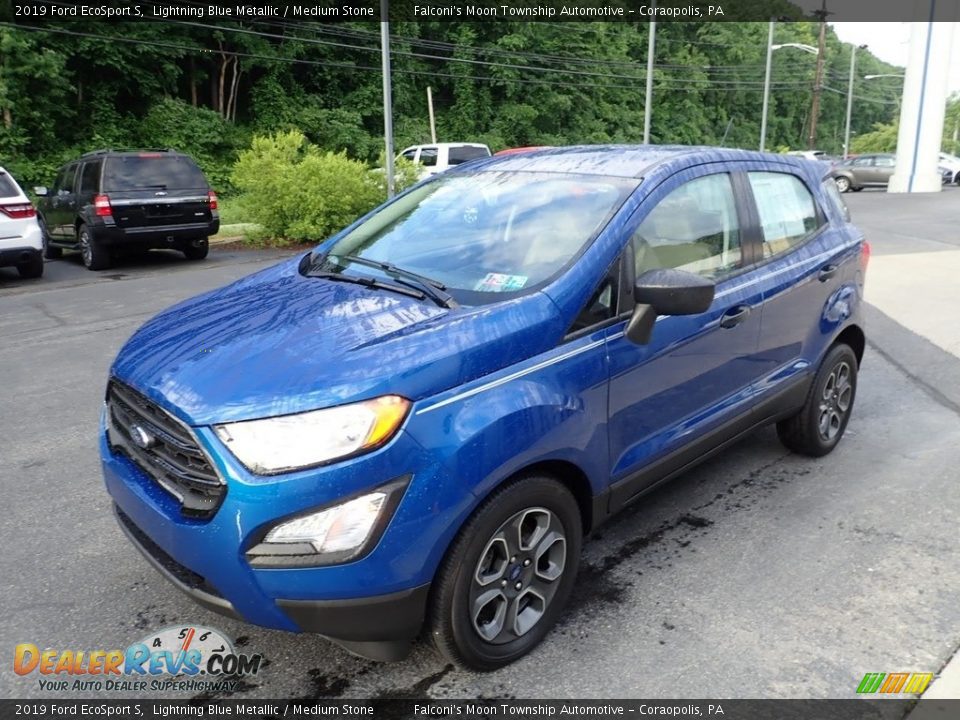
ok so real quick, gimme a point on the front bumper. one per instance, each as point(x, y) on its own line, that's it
point(374, 606)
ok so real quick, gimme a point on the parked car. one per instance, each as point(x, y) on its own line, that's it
point(526, 149)
point(21, 242)
point(951, 164)
point(436, 158)
point(820, 155)
point(418, 421)
point(107, 202)
point(868, 170)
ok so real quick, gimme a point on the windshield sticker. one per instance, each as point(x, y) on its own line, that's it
point(497, 282)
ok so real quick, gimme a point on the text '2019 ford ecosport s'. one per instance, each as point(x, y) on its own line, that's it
point(417, 422)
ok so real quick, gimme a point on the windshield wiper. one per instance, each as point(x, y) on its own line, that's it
point(434, 289)
point(368, 282)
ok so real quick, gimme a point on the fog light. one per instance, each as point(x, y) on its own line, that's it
point(332, 535)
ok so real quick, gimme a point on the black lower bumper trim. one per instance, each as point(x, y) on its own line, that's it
point(18, 256)
point(186, 581)
point(380, 627)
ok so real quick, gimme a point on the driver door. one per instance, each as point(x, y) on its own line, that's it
point(679, 395)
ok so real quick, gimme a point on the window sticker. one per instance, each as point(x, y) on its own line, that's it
point(498, 282)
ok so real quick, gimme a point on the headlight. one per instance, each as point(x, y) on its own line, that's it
point(291, 442)
point(335, 534)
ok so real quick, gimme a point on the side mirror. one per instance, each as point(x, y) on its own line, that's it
point(666, 291)
point(40, 191)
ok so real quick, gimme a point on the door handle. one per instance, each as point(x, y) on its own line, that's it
point(827, 272)
point(734, 316)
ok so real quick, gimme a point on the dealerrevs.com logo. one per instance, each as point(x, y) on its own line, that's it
point(188, 658)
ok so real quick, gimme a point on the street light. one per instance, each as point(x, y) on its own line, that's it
point(853, 65)
point(766, 80)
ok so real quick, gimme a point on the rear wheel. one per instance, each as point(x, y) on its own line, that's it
point(197, 249)
point(843, 184)
point(49, 252)
point(31, 269)
point(95, 256)
point(820, 424)
point(508, 575)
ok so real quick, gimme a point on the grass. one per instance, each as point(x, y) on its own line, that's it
point(234, 223)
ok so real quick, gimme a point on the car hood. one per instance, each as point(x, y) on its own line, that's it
point(277, 342)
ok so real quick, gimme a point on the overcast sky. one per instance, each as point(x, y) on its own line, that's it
point(891, 42)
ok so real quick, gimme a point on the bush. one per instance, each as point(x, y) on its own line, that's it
point(297, 192)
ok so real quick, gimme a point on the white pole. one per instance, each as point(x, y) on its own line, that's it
point(846, 134)
point(387, 91)
point(647, 104)
point(433, 124)
point(766, 89)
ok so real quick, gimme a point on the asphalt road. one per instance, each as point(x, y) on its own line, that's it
point(760, 574)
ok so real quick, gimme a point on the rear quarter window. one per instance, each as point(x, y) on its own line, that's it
point(152, 172)
point(8, 188)
point(463, 153)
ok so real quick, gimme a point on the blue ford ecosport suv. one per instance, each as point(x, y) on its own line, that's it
point(416, 423)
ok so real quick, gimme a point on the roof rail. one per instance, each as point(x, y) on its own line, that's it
point(104, 151)
point(97, 152)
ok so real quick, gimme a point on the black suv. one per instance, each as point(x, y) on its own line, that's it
point(109, 201)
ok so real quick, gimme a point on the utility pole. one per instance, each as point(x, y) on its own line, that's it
point(387, 90)
point(648, 102)
point(853, 65)
point(433, 123)
point(766, 87)
point(818, 83)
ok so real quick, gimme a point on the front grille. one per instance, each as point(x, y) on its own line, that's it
point(164, 449)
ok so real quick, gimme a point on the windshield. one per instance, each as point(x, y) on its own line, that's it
point(486, 236)
point(149, 170)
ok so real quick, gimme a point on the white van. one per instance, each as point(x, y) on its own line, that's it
point(441, 156)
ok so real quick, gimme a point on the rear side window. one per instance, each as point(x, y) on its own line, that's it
point(462, 153)
point(428, 156)
point(152, 172)
point(830, 188)
point(788, 212)
point(90, 177)
point(8, 188)
point(884, 162)
point(694, 228)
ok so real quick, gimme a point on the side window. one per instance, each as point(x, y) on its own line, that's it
point(90, 177)
point(887, 162)
point(863, 161)
point(410, 154)
point(602, 305)
point(788, 212)
point(69, 175)
point(428, 156)
point(694, 228)
point(59, 182)
point(830, 188)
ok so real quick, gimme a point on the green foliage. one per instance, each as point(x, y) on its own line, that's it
point(296, 191)
point(199, 132)
point(883, 138)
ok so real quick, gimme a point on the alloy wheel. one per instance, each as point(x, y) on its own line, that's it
point(517, 575)
point(835, 401)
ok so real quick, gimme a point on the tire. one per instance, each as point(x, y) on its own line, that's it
point(820, 424)
point(49, 252)
point(95, 256)
point(196, 249)
point(527, 536)
point(32, 269)
point(843, 183)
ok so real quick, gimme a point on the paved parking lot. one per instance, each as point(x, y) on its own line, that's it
point(761, 574)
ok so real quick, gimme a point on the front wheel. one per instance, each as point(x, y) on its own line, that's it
point(49, 252)
point(843, 184)
point(508, 575)
point(95, 256)
point(820, 424)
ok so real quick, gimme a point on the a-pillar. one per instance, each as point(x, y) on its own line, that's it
point(924, 99)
